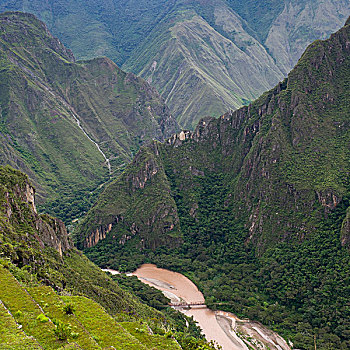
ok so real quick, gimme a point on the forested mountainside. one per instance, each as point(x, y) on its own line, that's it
point(69, 124)
point(53, 297)
point(254, 206)
point(203, 56)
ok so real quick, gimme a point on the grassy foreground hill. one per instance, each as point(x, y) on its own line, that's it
point(69, 125)
point(53, 297)
point(253, 206)
point(203, 56)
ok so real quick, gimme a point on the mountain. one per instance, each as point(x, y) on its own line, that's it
point(204, 57)
point(253, 205)
point(271, 150)
point(53, 297)
point(198, 70)
point(69, 124)
point(298, 24)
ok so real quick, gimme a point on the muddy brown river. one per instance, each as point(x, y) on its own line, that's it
point(178, 288)
point(216, 325)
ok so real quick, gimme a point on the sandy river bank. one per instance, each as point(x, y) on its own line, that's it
point(220, 326)
point(177, 287)
point(223, 327)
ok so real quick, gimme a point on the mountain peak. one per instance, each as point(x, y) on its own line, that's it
point(28, 30)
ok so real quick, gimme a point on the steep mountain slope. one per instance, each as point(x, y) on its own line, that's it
point(40, 244)
point(96, 28)
point(204, 56)
point(300, 23)
point(53, 297)
point(69, 124)
point(262, 192)
point(201, 72)
point(212, 59)
point(271, 150)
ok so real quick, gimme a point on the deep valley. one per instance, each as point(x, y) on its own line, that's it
point(206, 180)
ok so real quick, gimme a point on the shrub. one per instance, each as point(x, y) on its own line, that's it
point(169, 334)
point(96, 338)
point(69, 309)
point(140, 330)
point(5, 262)
point(74, 335)
point(62, 330)
point(18, 313)
point(42, 318)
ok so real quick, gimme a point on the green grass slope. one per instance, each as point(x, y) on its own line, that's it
point(66, 123)
point(13, 338)
point(19, 302)
point(155, 341)
point(35, 317)
point(54, 306)
point(102, 326)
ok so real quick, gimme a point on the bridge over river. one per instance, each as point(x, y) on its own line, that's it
point(187, 304)
point(218, 326)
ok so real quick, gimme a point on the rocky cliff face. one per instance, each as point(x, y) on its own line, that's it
point(94, 237)
point(345, 230)
point(69, 125)
point(285, 159)
point(20, 222)
point(53, 233)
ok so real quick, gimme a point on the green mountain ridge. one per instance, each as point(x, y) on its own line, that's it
point(253, 205)
point(70, 125)
point(297, 124)
point(204, 56)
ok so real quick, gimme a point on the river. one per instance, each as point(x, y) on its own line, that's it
point(178, 288)
point(216, 325)
point(219, 326)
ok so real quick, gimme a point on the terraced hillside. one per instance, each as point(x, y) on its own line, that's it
point(36, 317)
point(53, 297)
point(70, 125)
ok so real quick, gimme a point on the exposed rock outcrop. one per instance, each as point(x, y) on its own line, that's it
point(53, 233)
point(18, 204)
point(100, 233)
